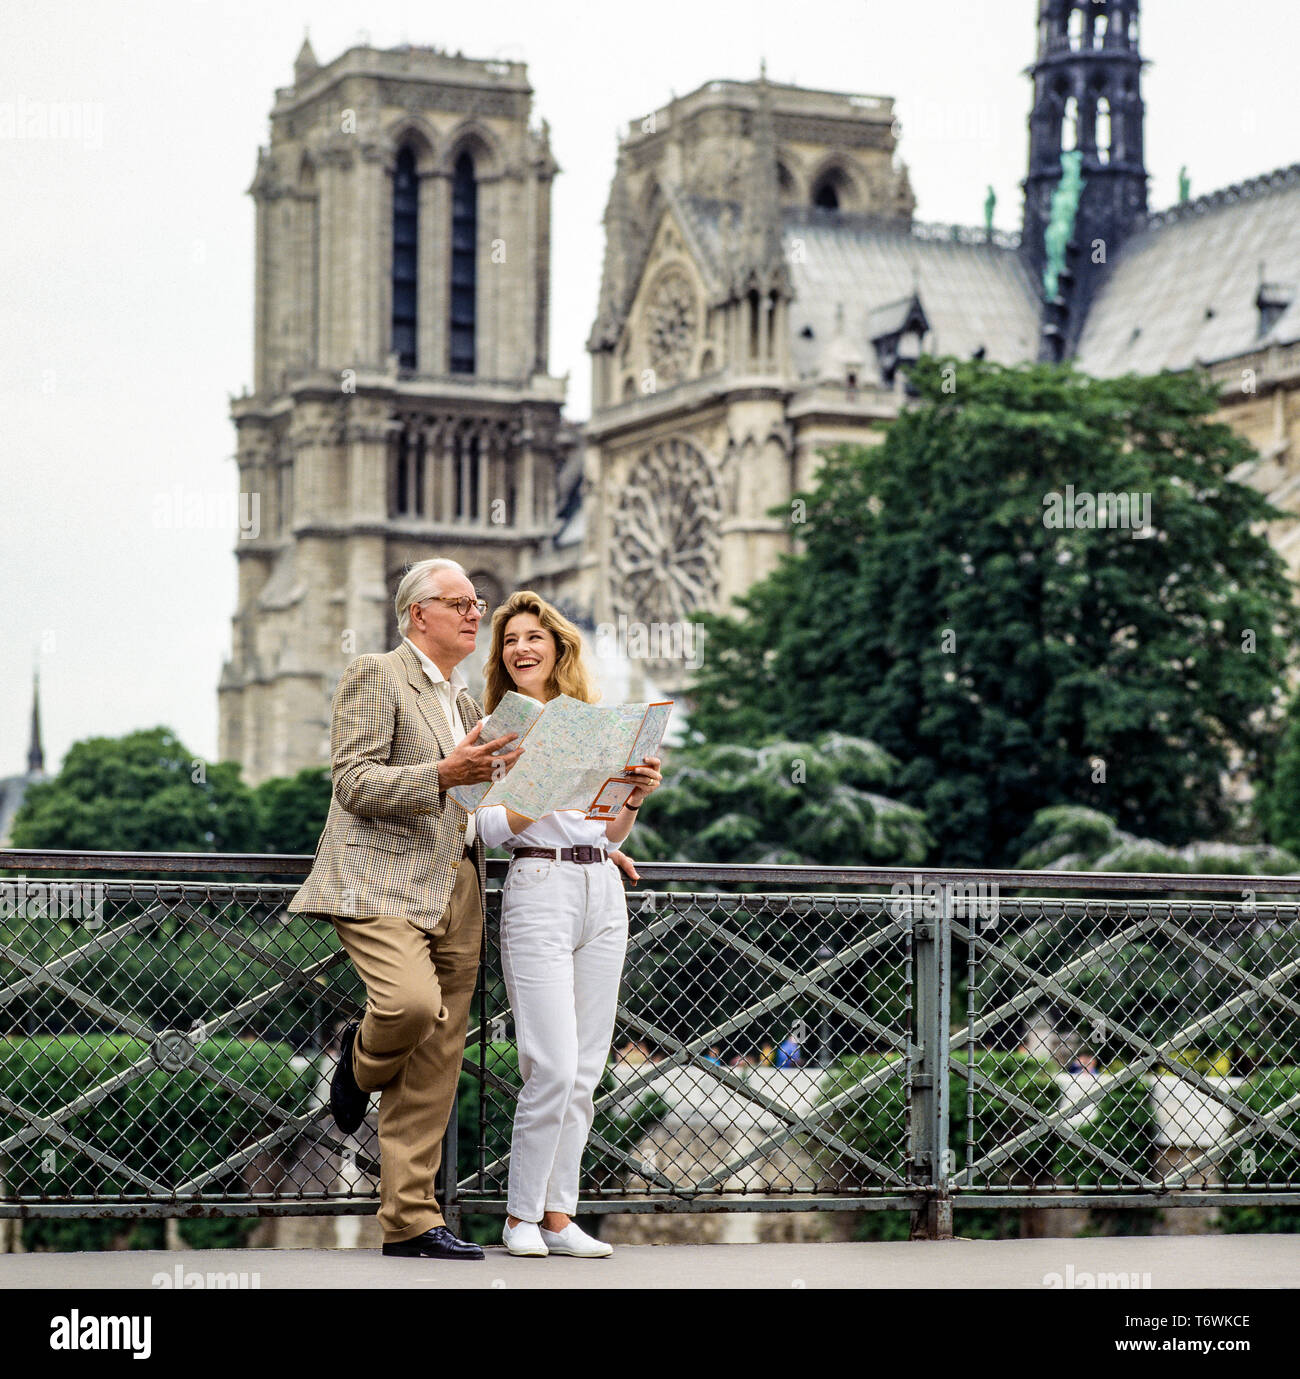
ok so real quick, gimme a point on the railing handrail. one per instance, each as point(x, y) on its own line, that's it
point(299, 864)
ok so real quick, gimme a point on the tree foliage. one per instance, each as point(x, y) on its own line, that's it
point(144, 792)
point(781, 802)
point(1277, 803)
point(1009, 664)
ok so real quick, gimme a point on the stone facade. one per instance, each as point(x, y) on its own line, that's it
point(367, 442)
point(764, 283)
point(700, 423)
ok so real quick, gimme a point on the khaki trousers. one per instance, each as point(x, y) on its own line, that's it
point(419, 985)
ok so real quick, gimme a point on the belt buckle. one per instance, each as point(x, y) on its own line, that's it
point(584, 852)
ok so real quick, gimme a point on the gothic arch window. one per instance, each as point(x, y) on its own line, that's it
point(833, 189)
point(1103, 130)
point(401, 477)
point(1075, 28)
point(406, 232)
point(410, 473)
point(464, 263)
point(1070, 129)
point(827, 194)
point(418, 464)
point(1099, 25)
point(468, 454)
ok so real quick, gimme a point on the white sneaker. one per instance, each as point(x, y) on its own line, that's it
point(573, 1240)
point(523, 1239)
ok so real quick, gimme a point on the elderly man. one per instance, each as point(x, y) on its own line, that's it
point(401, 874)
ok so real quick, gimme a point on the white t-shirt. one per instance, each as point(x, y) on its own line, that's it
point(565, 828)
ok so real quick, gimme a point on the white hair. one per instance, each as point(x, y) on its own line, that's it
point(419, 583)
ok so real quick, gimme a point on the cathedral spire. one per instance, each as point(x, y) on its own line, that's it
point(35, 753)
point(1087, 110)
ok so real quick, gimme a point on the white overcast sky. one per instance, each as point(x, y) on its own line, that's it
point(126, 282)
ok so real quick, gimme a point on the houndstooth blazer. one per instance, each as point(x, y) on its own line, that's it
point(392, 839)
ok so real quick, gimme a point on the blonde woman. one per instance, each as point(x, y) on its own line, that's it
point(563, 940)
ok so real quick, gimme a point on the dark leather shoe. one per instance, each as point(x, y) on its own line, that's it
point(347, 1101)
point(439, 1243)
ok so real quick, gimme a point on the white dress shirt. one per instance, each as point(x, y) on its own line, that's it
point(448, 691)
point(563, 828)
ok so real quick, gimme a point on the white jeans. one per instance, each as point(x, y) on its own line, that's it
point(563, 940)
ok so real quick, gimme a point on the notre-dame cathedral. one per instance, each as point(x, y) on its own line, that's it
point(765, 283)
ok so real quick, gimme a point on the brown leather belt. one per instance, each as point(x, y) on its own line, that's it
point(582, 853)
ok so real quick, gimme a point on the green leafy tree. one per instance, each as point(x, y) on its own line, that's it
point(1277, 805)
point(1074, 838)
point(290, 811)
point(145, 792)
point(1009, 663)
point(783, 803)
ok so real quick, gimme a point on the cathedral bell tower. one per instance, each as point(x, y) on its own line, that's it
point(1087, 102)
point(402, 405)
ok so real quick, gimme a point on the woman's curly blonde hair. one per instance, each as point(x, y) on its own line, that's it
point(569, 676)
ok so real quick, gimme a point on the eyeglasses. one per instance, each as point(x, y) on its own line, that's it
point(462, 604)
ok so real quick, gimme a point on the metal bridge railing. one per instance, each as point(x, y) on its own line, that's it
point(788, 1038)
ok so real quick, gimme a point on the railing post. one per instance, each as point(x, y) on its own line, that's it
point(931, 947)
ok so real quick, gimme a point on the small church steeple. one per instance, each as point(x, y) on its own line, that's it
point(1087, 100)
point(35, 752)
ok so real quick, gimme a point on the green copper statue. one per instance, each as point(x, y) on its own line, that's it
point(1060, 225)
point(990, 201)
point(1184, 183)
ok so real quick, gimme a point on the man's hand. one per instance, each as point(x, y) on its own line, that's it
point(624, 863)
point(472, 761)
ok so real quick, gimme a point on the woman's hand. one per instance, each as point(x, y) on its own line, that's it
point(624, 863)
point(648, 779)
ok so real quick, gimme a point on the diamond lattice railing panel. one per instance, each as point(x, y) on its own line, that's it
point(760, 1047)
point(164, 1039)
point(1132, 1045)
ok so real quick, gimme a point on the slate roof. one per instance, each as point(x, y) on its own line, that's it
point(974, 292)
point(1183, 289)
